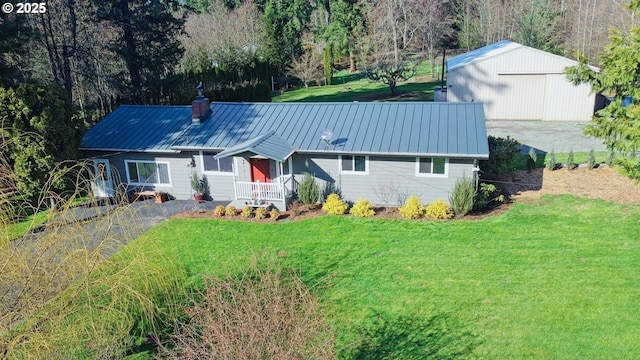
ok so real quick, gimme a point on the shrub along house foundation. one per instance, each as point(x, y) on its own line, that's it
point(258, 152)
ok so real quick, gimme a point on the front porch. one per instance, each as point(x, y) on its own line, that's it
point(256, 193)
point(271, 183)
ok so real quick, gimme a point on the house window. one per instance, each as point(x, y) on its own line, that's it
point(147, 173)
point(354, 164)
point(432, 166)
point(211, 164)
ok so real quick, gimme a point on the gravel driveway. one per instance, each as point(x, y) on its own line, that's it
point(559, 136)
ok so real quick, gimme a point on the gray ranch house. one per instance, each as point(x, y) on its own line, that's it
point(383, 151)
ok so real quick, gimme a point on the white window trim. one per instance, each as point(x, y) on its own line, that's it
point(126, 168)
point(223, 173)
point(353, 172)
point(446, 168)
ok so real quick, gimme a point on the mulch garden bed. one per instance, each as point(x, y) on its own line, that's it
point(599, 183)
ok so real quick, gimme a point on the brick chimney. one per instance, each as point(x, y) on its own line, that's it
point(200, 109)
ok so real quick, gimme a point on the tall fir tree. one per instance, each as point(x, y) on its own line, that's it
point(328, 65)
point(284, 22)
point(618, 124)
point(147, 43)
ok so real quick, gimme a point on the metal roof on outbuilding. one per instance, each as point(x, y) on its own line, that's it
point(484, 52)
point(499, 48)
point(390, 128)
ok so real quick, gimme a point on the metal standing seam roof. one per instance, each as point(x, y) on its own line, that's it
point(496, 49)
point(385, 128)
point(138, 128)
point(269, 145)
point(484, 52)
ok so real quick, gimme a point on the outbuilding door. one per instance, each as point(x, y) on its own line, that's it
point(521, 97)
point(260, 170)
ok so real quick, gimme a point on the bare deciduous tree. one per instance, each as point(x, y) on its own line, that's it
point(435, 21)
point(308, 67)
point(221, 38)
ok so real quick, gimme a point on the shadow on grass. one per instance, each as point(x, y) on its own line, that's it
point(408, 91)
point(414, 337)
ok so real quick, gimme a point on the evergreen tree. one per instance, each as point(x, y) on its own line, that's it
point(41, 130)
point(14, 35)
point(618, 124)
point(328, 68)
point(284, 22)
point(346, 27)
point(148, 43)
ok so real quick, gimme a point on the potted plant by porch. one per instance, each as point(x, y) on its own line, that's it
point(197, 185)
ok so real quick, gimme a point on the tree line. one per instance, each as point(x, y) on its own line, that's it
point(102, 54)
point(152, 52)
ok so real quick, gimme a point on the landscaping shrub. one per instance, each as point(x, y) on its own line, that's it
point(246, 91)
point(551, 160)
point(266, 312)
point(261, 213)
point(630, 167)
point(334, 205)
point(274, 214)
point(412, 209)
point(247, 211)
point(591, 160)
point(502, 153)
point(219, 211)
point(571, 164)
point(610, 157)
point(487, 194)
point(438, 210)
point(362, 208)
point(308, 190)
point(463, 196)
point(230, 210)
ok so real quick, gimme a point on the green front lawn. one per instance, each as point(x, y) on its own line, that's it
point(553, 279)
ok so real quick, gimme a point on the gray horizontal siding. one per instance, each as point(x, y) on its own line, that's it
point(387, 175)
point(179, 171)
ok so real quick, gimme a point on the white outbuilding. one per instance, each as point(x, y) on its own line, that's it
point(517, 82)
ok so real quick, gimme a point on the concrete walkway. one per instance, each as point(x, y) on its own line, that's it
point(559, 136)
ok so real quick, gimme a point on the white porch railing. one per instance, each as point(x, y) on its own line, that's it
point(246, 190)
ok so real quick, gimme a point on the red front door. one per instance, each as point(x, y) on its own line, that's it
point(260, 170)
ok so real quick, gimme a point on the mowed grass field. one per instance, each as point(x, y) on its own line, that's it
point(554, 279)
point(348, 87)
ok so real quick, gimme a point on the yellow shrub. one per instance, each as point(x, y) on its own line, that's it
point(230, 210)
point(247, 211)
point(412, 209)
point(219, 211)
point(438, 210)
point(334, 205)
point(274, 214)
point(261, 213)
point(362, 208)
